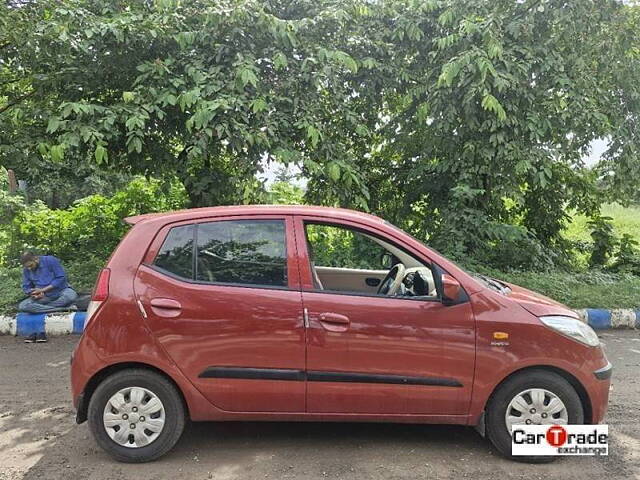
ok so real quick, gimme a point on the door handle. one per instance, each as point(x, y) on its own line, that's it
point(334, 322)
point(334, 318)
point(166, 304)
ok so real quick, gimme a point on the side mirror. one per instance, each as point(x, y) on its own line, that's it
point(386, 260)
point(451, 290)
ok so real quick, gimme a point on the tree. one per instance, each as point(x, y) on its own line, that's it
point(201, 90)
point(493, 107)
point(463, 121)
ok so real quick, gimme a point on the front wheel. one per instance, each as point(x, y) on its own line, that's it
point(136, 415)
point(535, 397)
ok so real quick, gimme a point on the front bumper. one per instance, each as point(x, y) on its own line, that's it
point(605, 372)
point(598, 388)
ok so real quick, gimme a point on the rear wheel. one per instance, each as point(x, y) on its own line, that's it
point(534, 397)
point(136, 415)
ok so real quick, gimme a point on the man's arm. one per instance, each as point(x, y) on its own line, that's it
point(27, 286)
point(59, 277)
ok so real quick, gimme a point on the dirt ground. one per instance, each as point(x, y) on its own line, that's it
point(39, 439)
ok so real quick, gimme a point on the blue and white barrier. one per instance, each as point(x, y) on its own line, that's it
point(600, 319)
point(58, 323)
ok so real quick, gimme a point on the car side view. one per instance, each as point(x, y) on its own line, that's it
point(292, 313)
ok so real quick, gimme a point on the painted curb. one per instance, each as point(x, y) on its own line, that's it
point(600, 319)
point(24, 324)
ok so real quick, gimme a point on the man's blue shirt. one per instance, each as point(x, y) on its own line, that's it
point(49, 272)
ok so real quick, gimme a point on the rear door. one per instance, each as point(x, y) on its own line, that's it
point(222, 298)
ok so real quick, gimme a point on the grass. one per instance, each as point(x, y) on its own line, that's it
point(581, 290)
point(625, 220)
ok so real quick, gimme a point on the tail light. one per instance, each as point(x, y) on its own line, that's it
point(101, 290)
point(100, 293)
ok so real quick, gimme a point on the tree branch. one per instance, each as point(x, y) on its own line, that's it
point(16, 101)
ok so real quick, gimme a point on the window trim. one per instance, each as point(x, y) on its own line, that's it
point(291, 259)
point(303, 220)
point(216, 284)
point(373, 295)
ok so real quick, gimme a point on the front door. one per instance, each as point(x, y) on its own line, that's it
point(222, 298)
point(381, 354)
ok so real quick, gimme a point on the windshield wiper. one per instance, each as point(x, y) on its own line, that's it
point(496, 285)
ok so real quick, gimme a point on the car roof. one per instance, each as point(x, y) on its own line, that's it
point(310, 210)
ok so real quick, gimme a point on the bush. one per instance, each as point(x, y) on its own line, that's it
point(93, 226)
point(82, 236)
point(627, 257)
point(604, 240)
point(10, 289)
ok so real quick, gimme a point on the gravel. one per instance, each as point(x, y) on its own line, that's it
point(39, 439)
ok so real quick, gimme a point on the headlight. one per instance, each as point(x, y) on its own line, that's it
point(573, 328)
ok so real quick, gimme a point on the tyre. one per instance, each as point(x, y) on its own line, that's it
point(136, 415)
point(532, 397)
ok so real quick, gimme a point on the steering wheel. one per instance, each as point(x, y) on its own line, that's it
point(392, 281)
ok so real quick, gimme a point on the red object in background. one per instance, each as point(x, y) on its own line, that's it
point(239, 352)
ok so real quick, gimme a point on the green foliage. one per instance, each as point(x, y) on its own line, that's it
point(477, 144)
point(464, 122)
point(201, 90)
point(285, 193)
point(579, 290)
point(627, 256)
point(338, 247)
point(10, 291)
point(604, 240)
point(626, 220)
point(92, 226)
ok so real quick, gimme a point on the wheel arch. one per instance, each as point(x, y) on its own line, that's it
point(101, 375)
point(573, 381)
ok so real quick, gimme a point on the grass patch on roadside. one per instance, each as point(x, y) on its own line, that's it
point(625, 220)
point(591, 289)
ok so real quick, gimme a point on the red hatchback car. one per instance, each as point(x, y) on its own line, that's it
point(310, 313)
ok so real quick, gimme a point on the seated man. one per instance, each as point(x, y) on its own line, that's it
point(44, 280)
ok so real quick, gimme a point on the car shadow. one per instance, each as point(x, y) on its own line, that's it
point(243, 450)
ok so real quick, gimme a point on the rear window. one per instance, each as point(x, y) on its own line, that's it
point(176, 254)
point(249, 252)
point(242, 251)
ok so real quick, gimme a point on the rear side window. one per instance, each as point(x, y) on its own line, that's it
point(249, 252)
point(176, 253)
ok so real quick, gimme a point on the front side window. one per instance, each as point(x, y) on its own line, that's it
point(334, 246)
point(343, 259)
point(242, 252)
point(176, 254)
